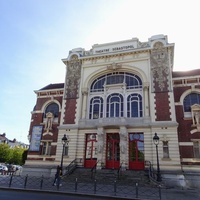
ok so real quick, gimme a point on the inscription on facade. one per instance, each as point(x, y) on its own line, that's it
point(106, 50)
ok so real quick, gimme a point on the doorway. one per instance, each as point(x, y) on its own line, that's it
point(136, 151)
point(112, 151)
point(90, 151)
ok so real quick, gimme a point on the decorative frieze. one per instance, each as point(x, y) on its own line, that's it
point(159, 68)
point(73, 77)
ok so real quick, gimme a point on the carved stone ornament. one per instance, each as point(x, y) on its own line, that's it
point(159, 68)
point(100, 141)
point(195, 109)
point(114, 66)
point(123, 139)
point(195, 114)
point(73, 77)
point(49, 121)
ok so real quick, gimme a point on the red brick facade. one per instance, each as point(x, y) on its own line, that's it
point(70, 111)
point(162, 108)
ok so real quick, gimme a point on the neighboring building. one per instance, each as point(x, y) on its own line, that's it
point(116, 96)
point(3, 138)
point(186, 86)
point(12, 143)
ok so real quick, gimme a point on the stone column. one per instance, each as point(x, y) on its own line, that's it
point(84, 102)
point(100, 146)
point(123, 147)
point(146, 99)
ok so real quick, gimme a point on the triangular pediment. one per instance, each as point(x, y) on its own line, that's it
point(195, 107)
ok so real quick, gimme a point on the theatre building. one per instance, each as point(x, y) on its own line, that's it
point(115, 97)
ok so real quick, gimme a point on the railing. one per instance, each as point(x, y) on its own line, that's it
point(79, 186)
point(151, 173)
point(70, 168)
point(119, 170)
point(93, 170)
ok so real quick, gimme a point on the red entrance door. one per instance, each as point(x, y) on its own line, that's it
point(90, 151)
point(112, 151)
point(136, 151)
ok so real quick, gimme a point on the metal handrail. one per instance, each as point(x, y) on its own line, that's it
point(71, 167)
point(119, 169)
point(151, 174)
point(93, 169)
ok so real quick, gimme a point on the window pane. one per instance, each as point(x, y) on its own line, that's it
point(134, 105)
point(115, 105)
point(131, 80)
point(96, 108)
point(196, 146)
point(190, 100)
point(66, 151)
point(165, 149)
point(49, 149)
point(53, 108)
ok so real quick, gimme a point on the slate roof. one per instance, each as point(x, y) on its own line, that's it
point(194, 72)
point(53, 86)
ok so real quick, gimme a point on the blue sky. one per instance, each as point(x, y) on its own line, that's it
point(36, 34)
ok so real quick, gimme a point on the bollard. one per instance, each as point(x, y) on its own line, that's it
point(95, 186)
point(76, 184)
point(136, 187)
point(26, 178)
point(41, 182)
point(10, 180)
point(159, 188)
point(58, 182)
point(115, 187)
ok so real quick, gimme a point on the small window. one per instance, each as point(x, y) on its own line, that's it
point(53, 108)
point(196, 146)
point(46, 148)
point(165, 149)
point(190, 100)
point(65, 152)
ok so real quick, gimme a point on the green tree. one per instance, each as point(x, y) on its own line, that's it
point(5, 153)
point(17, 155)
point(24, 156)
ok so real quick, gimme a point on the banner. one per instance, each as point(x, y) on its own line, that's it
point(35, 138)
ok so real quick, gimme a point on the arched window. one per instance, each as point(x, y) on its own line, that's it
point(131, 81)
point(117, 94)
point(134, 105)
point(96, 108)
point(191, 99)
point(53, 108)
point(114, 105)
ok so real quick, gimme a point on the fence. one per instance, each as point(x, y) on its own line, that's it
point(80, 186)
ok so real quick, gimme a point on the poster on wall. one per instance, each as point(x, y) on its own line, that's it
point(35, 138)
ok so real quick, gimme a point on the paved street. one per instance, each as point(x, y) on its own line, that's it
point(24, 195)
point(167, 194)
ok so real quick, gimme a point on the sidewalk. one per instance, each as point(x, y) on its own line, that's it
point(180, 194)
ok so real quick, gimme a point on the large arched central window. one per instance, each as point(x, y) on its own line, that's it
point(130, 80)
point(117, 94)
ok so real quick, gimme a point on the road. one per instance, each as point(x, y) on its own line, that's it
point(24, 195)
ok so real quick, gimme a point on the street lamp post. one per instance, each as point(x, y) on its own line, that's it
point(156, 142)
point(65, 142)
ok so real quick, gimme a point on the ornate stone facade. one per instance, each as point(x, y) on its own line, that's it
point(120, 94)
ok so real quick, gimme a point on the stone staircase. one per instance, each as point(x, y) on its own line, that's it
point(126, 177)
point(133, 177)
